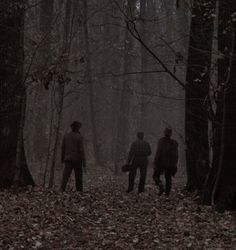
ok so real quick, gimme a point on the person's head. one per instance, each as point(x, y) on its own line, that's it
point(168, 132)
point(140, 135)
point(75, 126)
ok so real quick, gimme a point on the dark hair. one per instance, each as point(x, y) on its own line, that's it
point(140, 135)
point(168, 132)
point(75, 126)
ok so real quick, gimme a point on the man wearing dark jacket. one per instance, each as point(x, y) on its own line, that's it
point(138, 159)
point(73, 156)
point(165, 161)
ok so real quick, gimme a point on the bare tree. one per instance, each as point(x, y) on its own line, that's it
point(197, 89)
point(12, 156)
point(89, 80)
point(221, 187)
point(61, 81)
point(123, 126)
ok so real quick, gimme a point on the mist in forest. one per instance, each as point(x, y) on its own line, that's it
point(87, 66)
point(136, 98)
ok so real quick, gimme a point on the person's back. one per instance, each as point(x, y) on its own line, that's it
point(166, 154)
point(140, 149)
point(72, 146)
point(138, 159)
point(72, 154)
point(165, 161)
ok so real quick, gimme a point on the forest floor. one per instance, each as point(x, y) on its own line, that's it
point(105, 217)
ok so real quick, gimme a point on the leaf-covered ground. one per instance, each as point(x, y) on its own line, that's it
point(105, 217)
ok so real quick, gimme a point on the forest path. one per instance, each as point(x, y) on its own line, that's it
point(105, 217)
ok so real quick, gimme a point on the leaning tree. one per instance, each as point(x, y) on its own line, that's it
point(13, 167)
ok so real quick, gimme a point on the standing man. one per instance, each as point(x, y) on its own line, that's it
point(138, 159)
point(165, 162)
point(73, 156)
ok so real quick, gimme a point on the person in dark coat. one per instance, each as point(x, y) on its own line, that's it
point(165, 162)
point(138, 159)
point(73, 155)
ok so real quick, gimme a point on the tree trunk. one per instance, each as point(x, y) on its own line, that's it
point(123, 126)
point(117, 38)
point(89, 80)
point(12, 157)
point(46, 57)
point(147, 13)
point(61, 81)
point(197, 90)
point(144, 62)
point(221, 188)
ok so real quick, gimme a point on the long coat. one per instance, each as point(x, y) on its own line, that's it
point(166, 156)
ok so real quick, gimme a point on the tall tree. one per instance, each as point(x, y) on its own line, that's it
point(45, 55)
point(13, 95)
point(89, 80)
point(123, 123)
point(147, 25)
point(144, 62)
point(61, 82)
point(221, 188)
point(197, 89)
point(116, 66)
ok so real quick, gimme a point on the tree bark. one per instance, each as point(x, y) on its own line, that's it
point(43, 92)
point(144, 62)
point(13, 167)
point(221, 188)
point(123, 126)
point(61, 81)
point(197, 90)
point(116, 65)
point(147, 13)
point(89, 80)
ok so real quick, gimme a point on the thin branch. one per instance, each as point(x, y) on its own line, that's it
point(134, 32)
point(111, 74)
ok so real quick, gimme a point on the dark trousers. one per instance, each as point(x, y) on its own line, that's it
point(142, 166)
point(168, 180)
point(78, 170)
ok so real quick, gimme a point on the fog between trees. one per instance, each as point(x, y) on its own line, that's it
point(119, 67)
point(110, 82)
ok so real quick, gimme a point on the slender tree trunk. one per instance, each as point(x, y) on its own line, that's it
point(61, 85)
point(50, 138)
point(117, 38)
point(89, 80)
point(144, 55)
point(46, 57)
point(20, 144)
point(123, 126)
point(46, 19)
point(147, 13)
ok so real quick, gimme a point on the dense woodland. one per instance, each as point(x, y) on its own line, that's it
point(82, 60)
point(119, 66)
